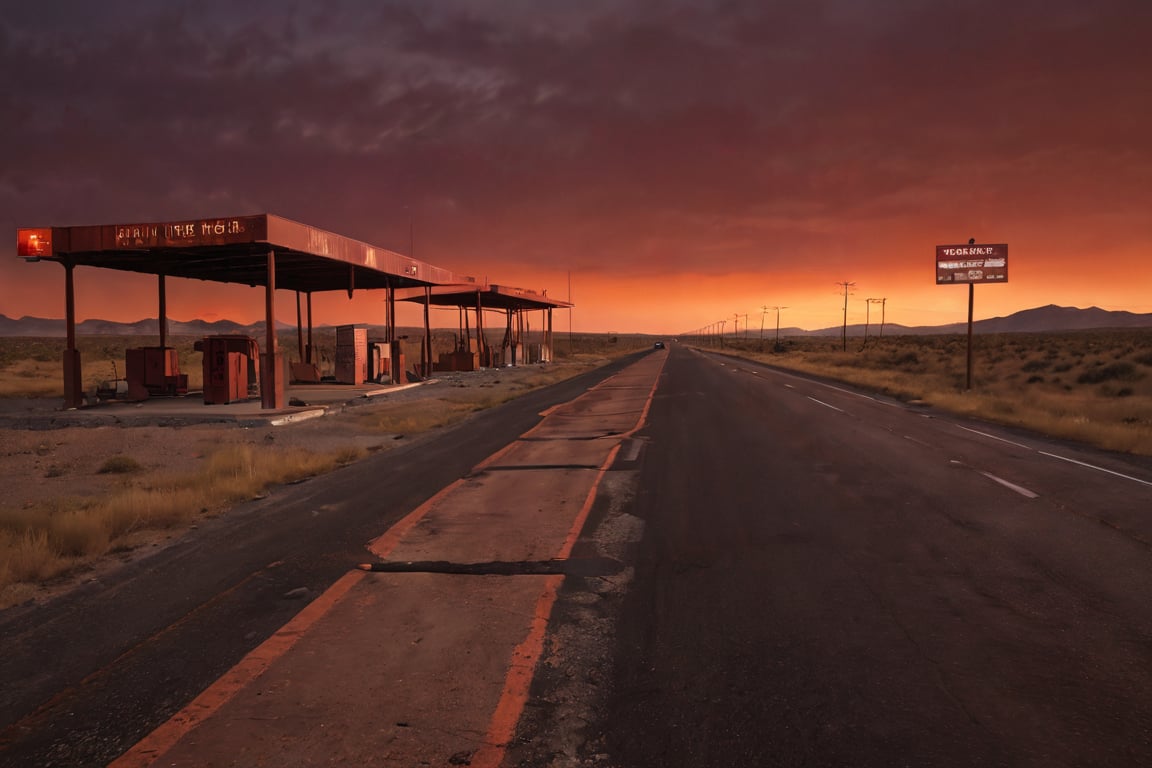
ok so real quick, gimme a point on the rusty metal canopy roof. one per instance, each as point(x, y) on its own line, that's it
point(234, 250)
point(490, 297)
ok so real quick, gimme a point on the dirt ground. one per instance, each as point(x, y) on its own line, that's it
point(38, 465)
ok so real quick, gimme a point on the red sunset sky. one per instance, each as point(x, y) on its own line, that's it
point(683, 160)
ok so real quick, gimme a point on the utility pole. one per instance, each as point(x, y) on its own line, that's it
point(867, 319)
point(763, 312)
point(778, 324)
point(844, 333)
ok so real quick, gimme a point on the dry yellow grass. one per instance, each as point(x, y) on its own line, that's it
point(1091, 386)
point(31, 367)
point(31, 378)
point(43, 541)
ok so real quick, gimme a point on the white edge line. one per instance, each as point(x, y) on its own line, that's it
point(826, 405)
point(994, 437)
point(1018, 488)
point(845, 391)
point(876, 400)
point(918, 442)
point(1093, 466)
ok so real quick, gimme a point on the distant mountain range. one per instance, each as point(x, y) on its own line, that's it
point(1040, 319)
point(1037, 320)
point(39, 326)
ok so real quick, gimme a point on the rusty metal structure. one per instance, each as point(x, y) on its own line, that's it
point(254, 250)
point(514, 303)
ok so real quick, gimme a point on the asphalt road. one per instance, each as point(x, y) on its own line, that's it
point(830, 579)
point(84, 677)
point(811, 577)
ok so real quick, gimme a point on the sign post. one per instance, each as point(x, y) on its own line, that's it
point(972, 263)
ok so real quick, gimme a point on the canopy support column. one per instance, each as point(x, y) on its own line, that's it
point(546, 352)
point(509, 345)
point(73, 387)
point(163, 310)
point(467, 332)
point(390, 312)
point(308, 349)
point(299, 330)
point(485, 361)
point(426, 348)
point(271, 380)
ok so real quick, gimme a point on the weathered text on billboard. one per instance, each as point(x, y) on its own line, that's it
point(972, 263)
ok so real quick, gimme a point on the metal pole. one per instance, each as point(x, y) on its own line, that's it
point(391, 299)
point(299, 329)
point(271, 388)
point(971, 302)
point(844, 333)
point(163, 310)
point(73, 385)
point(427, 347)
point(549, 335)
point(480, 341)
point(844, 330)
point(309, 348)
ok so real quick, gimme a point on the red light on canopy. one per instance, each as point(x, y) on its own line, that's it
point(33, 243)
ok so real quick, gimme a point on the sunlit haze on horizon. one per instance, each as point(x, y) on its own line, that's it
point(666, 163)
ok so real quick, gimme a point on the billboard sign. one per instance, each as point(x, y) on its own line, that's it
point(973, 263)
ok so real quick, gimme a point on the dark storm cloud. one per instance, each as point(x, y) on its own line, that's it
point(525, 130)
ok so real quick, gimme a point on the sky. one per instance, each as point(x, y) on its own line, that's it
point(666, 164)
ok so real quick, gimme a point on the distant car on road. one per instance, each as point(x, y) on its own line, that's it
point(658, 345)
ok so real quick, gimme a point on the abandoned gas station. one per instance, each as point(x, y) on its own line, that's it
point(280, 254)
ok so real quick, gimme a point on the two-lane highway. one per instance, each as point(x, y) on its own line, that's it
point(831, 579)
point(776, 571)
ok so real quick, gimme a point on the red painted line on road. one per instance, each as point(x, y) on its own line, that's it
point(521, 672)
point(383, 544)
point(518, 681)
point(156, 744)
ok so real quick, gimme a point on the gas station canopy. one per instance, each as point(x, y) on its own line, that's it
point(274, 253)
point(234, 250)
point(489, 296)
